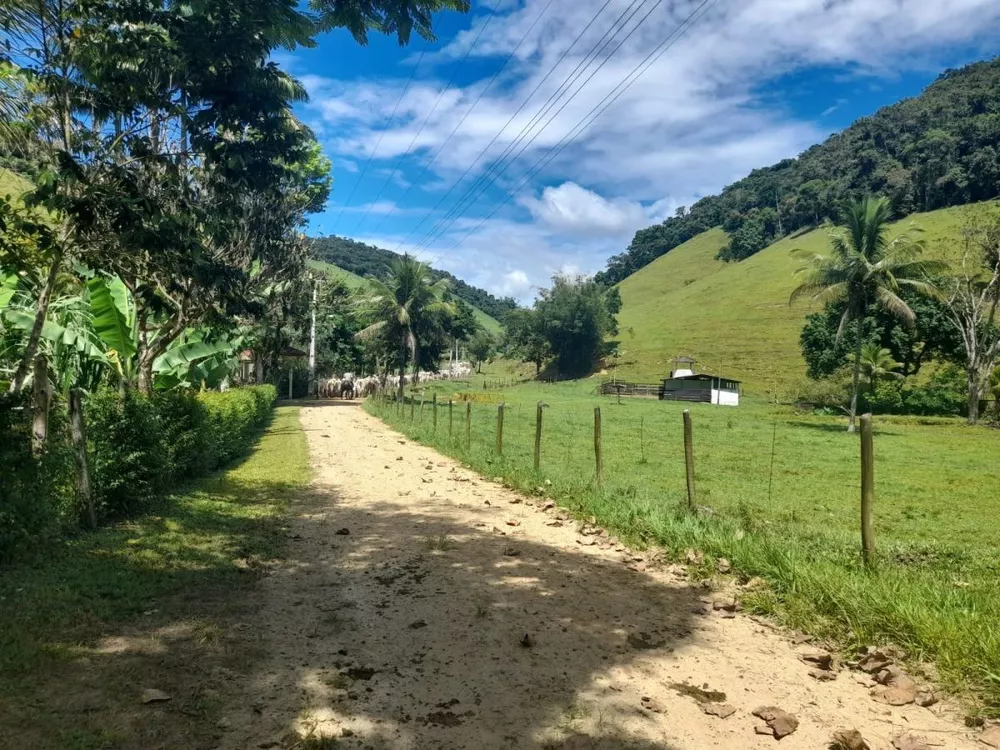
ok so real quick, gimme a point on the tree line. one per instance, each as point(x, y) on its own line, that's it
point(939, 149)
point(888, 310)
point(368, 260)
point(157, 186)
point(168, 179)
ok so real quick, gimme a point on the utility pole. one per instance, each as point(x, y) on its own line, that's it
point(312, 341)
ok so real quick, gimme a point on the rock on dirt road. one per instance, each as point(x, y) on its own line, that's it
point(407, 633)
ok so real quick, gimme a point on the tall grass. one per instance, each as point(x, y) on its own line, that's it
point(934, 589)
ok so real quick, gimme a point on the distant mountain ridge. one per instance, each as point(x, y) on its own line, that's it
point(938, 149)
point(368, 260)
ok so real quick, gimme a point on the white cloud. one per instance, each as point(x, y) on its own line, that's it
point(576, 210)
point(691, 124)
point(515, 284)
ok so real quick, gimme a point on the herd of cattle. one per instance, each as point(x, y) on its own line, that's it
point(348, 386)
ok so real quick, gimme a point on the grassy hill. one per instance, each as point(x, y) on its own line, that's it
point(12, 184)
point(734, 318)
point(353, 281)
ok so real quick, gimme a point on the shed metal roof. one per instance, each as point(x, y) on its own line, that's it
point(703, 376)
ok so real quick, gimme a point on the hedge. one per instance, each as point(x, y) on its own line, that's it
point(138, 448)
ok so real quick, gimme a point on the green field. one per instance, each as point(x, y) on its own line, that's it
point(734, 318)
point(12, 184)
point(789, 515)
point(353, 281)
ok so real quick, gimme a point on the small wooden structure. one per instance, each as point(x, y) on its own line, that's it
point(686, 385)
point(621, 388)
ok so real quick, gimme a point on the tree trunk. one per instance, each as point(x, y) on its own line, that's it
point(41, 401)
point(21, 374)
point(78, 434)
point(851, 425)
point(146, 376)
point(402, 368)
point(972, 378)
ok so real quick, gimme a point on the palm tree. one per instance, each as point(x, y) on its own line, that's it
point(866, 268)
point(877, 363)
point(405, 300)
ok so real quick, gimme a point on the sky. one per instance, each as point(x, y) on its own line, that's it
point(534, 137)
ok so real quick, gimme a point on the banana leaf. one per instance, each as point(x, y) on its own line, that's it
point(109, 307)
point(180, 357)
point(8, 288)
point(80, 340)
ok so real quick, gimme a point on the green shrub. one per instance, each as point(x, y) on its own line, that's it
point(232, 421)
point(129, 456)
point(36, 494)
point(943, 395)
point(886, 398)
point(182, 422)
point(138, 448)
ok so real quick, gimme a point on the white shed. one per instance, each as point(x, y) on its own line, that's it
point(685, 385)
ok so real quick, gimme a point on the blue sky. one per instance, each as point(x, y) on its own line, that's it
point(443, 150)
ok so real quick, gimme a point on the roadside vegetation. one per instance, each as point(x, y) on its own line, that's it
point(174, 575)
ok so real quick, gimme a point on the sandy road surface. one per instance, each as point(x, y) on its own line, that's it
point(399, 621)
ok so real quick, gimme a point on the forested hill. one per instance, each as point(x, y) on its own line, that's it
point(935, 150)
point(368, 260)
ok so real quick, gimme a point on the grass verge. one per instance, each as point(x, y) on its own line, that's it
point(783, 492)
point(86, 625)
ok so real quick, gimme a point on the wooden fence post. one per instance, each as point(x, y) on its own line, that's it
point(597, 444)
point(451, 418)
point(689, 458)
point(867, 490)
point(434, 407)
point(500, 429)
point(41, 402)
point(78, 435)
point(421, 409)
point(413, 406)
point(538, 435)
point(468, 425)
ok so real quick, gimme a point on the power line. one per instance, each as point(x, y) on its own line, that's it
point(382, 134)
point(444, 90)
point(591, 116)
point(468, 112)
point(487, 180)
point(509, 121)
point(498, 166)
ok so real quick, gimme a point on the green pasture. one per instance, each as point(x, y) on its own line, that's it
point(734, 318)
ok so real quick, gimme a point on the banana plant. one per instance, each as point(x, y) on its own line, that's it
point(196, 360)
point(94, 331)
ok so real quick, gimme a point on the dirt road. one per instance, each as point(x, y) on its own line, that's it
point(424, 607)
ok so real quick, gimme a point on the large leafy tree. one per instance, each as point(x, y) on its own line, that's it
point(932, 337)
point(576, 316)
point(865, 268)
point(403, 305)
point(525, 339)
point(169, 146)
point(481, 348)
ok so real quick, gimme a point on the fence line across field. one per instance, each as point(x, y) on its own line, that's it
point(515, 439)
